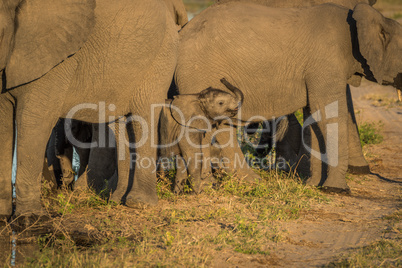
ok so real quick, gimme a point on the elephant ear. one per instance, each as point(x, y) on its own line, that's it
point(46, 33)
point(373, 38)
point(177, 11)
point(186, 111)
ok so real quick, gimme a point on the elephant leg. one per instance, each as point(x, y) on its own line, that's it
point(329, 152)
point(66, 164)
point(193, 159)
point(190, 147)
point(6, 155)
point(123, 155)
point(82, 181)
point(51, 156)
point(357, 163)
point(142, 161)
point(207, 158)
point(102, 158)
point(232, 155)
point(181, 175)
point(31, 146)
point(83, 155)
point(48, 175)
point(291, 149)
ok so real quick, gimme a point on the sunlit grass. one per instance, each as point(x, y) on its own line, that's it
point(235, 215)
point(370, 133)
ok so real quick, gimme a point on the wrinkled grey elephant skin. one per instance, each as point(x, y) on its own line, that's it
point(298, 58)
point(102, 166)
point(122, 61)
point(288, 147)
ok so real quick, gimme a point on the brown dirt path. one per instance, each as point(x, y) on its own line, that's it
point(348, 222)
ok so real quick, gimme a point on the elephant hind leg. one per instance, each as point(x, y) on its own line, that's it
point(31, 146)
point(329, 136)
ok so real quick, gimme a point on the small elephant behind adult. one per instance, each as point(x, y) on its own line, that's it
point(185, 122)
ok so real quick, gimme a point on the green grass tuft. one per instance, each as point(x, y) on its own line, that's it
point(369, 133)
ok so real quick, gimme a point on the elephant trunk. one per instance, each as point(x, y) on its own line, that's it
point(237, 92)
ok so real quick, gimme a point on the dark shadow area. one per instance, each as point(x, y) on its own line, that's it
point(386, 179)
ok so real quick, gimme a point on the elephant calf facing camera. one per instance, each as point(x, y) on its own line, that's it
point(185, 122)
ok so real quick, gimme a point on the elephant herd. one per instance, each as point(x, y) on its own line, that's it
point(141, 84)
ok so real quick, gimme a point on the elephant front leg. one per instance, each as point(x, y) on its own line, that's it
point(6, 156)
point(181, 175)
point(32, 136)
point(206, 166)
point(66, 163)
point(232, 155)
point(190, 148)
point(357, 162)
point(141, 164)
point(329, 152)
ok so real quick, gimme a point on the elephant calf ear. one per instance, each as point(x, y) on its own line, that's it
point(372, 37)
point(46, 33)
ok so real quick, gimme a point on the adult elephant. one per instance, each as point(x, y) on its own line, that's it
point(100, 159)
point(103, 170)
point(289, 147)
point(56, 67)
point(286, 59)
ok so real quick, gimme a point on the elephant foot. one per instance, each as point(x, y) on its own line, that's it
point(359, 170)
point(32, 224)
point(4, 220)
point(117, 197)
point(313, 181)
point(335, 190)
point(200, 185)
point(140, 202)
point(82, 182)
point(247, 175)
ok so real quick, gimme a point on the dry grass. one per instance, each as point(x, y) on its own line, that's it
point(189, 230)
point(383, 100)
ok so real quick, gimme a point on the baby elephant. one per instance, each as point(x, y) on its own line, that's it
point(185, 124)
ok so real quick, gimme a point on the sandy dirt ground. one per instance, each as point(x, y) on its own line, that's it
point(329, 230)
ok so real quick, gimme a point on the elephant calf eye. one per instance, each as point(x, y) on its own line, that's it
point(221, 103)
